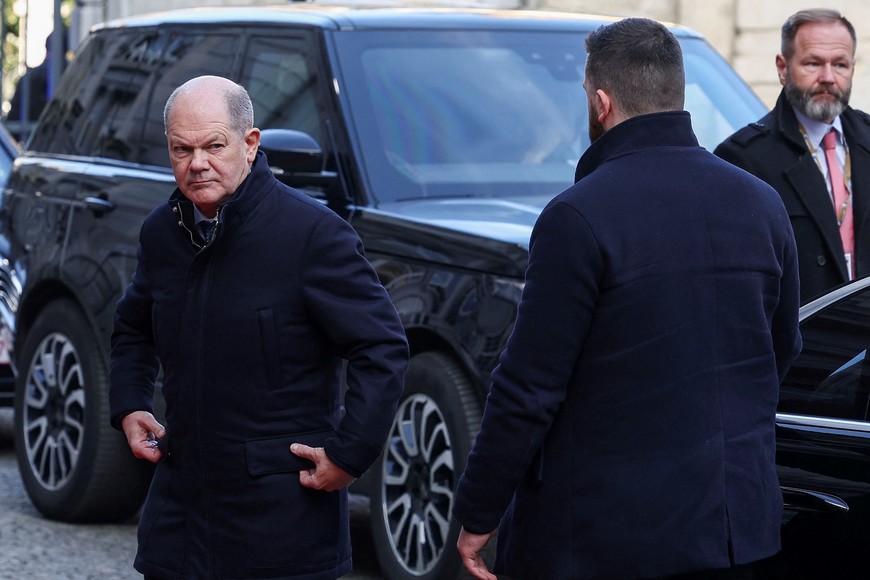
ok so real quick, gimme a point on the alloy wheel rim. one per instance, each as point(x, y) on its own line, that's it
point(418, 481)
point(53, 412)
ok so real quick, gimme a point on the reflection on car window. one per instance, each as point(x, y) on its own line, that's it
point(488, 114)
point(111, 89)
point(831, 377)
point(496, 113)
point(282, 85)
point(469, 126)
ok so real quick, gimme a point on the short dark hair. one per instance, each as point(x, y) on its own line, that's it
point(639, 63)
point(798, 19)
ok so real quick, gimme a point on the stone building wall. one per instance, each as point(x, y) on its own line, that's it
point(746, 32)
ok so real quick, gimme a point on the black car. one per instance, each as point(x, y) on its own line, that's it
point(823, 441)
point(439, 135)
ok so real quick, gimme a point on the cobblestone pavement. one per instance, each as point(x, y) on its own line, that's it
point(34, 548)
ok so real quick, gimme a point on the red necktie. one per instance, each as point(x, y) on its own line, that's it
point(842, 207)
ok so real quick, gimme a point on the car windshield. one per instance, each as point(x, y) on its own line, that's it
point(496, 113)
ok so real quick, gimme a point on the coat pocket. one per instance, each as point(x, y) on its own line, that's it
point(272, 454)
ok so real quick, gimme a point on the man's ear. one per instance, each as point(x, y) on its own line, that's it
point(252, 143)
point(604, 108)
point(781, 69)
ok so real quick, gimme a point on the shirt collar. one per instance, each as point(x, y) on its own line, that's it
point(816, 130)
point(198, 216)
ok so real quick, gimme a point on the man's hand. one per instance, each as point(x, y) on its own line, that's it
point(469, 546)
point(142, 431)
point(326, 475)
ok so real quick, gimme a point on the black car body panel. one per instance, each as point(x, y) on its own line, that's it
point(823, 440)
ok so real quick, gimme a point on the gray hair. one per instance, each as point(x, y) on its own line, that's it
point(238, 103)
point(639, 63)
point(798, 19)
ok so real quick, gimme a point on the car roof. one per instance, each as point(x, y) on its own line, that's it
point(361, 16)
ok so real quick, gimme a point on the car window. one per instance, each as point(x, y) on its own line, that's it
point(110, 103)
point(281, 80)
point(110, 125)
point(480, 114)
point(497, 113)
point(831, 377)
point(94, 87)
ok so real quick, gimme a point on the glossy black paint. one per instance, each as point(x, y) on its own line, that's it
point(823, 441)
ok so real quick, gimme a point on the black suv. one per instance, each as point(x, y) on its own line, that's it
point(440, 135)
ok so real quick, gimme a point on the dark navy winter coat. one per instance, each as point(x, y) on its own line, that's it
point(251, 332)
point(629, 432)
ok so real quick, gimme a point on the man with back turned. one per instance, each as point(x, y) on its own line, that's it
point(629, 429)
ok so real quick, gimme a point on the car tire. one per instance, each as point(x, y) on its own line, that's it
point(413, 531)
point(74, 465)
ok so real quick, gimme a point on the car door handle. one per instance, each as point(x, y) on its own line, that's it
point(813, 500)
point(98, 205)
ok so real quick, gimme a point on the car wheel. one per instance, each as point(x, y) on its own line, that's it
point(413, 530)
point(74, 465)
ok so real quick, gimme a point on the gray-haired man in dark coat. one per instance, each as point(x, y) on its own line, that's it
point(249, 295)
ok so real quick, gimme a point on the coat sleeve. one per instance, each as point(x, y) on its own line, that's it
point(530, 383)
point(133, 364)
point(785, 328)
point(344, 295)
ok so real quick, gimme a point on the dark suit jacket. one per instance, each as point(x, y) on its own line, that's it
point(774, 150)
point(251, 332)
point(630, 423)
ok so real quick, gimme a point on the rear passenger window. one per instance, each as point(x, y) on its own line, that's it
point(110, 103)
point(106, 124)
point(100, 87)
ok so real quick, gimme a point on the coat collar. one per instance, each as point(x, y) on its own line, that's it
point(247, 196)
point(666, 129)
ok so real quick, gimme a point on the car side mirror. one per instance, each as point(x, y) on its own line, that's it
point(291, 151)
point(296, 159)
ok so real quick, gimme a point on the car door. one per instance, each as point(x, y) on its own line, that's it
point(823, 438)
